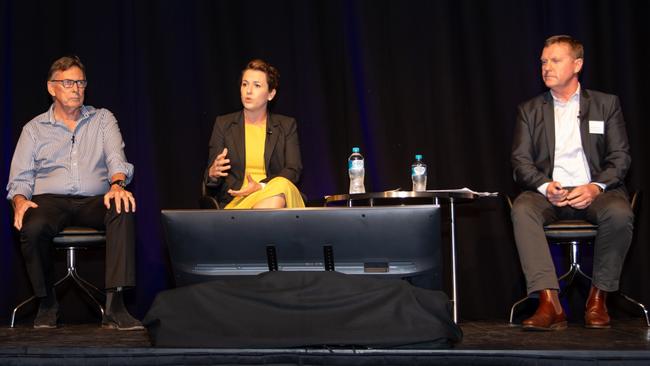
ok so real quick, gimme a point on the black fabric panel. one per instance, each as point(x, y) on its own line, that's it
point(292, 309)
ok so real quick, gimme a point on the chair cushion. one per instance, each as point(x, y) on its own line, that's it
point(79, 237)
point(571, 229)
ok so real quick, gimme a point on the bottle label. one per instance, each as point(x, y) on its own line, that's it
point(419, 170)
point(355, 164)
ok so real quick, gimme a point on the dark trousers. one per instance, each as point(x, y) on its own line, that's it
point(55, 212)
point(610, 210)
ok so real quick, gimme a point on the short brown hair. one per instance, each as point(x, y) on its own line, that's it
point(272, 74)
point(65, 63)
point(576, 47)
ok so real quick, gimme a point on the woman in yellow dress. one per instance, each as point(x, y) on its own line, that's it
point(254, 159)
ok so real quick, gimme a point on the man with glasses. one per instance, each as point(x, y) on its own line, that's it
point(69, 169)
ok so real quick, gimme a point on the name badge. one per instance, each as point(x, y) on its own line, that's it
point(597, 127)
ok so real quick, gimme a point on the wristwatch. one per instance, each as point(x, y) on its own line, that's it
point(119, 182)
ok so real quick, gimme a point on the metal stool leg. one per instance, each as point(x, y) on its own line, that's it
point(72, 271)
point(83, 284)
point(512, 309)
point(574, 269)
point(643, 308)
point(13, 313)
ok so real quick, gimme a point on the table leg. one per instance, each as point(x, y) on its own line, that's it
point(454, 293)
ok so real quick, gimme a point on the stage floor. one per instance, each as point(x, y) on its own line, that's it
point(484, 342)
point(629, 334)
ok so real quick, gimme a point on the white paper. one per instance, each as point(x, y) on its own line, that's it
point(465, 190)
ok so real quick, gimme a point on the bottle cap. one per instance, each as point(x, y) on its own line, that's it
point(355, 149)
point(418, 157)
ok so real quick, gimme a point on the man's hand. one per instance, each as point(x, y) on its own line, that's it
point(21, 205)
point(252, 187)
point(121, 197)
point(582, 196)
point(220, 165)
point(556, 194)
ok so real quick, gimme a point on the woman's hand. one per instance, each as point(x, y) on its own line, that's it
point(252, 187)
point(220, 165)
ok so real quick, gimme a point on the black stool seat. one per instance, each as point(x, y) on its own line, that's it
point(79, 237)
point(571, 229)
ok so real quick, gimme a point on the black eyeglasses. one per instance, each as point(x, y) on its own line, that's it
point(67, 83)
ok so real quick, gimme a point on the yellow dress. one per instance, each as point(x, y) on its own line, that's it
point(255, 138)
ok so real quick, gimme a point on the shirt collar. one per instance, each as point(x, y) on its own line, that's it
point(574, 97)
point(85, 113)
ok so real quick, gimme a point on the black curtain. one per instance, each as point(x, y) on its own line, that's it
point(396, 78)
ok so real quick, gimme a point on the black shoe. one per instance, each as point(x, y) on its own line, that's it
point(121, 320)
point(46, 317)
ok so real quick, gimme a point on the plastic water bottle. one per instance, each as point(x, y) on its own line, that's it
point(356, 171)
point(419, 174)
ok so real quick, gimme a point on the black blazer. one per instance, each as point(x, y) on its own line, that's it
point(533, 147)
point(281, 151)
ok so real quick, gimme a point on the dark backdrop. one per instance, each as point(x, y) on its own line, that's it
point(440, 78)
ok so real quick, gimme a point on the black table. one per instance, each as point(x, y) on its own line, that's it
point(410, 197)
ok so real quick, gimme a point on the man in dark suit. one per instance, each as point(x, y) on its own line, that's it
point(570, 155)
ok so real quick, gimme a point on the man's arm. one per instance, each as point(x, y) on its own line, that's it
point(525, 172)
point(119, 169)
point(21, 177)
point(616, 161)
point(114, 148)
point(22, 172)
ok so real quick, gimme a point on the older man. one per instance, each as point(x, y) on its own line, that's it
point(69, 168)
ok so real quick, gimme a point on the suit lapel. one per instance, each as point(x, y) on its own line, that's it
point(584, 123)
point(549, 127)
point(239, 139)
point(273, 133)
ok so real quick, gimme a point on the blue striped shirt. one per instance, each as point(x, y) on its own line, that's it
point(49, 158)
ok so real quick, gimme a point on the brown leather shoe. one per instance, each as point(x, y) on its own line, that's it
point(596, 315)
point(546, 318)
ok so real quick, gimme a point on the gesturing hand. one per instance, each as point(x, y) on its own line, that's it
point(252, 187)
point(220, 165)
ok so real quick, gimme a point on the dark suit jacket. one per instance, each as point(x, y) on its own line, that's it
point(533, 145)
point(281, 151)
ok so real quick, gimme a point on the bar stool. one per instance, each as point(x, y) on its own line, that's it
point(73, 239)
point(575, 233)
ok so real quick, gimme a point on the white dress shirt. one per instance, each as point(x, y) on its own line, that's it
point(570, 166)
point(49, 158)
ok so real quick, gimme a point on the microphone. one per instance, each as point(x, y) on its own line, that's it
point(72, 139)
